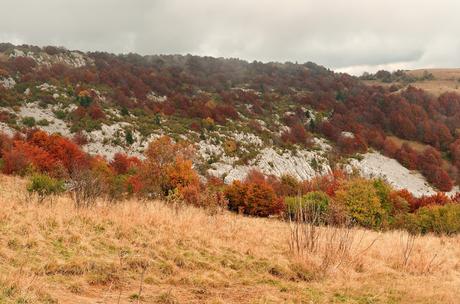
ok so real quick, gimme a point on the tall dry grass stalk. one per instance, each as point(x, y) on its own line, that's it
point(324, 249)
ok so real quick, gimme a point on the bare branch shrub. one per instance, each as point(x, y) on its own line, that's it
point(325, 249)
point(407, 242)
point(85, 187)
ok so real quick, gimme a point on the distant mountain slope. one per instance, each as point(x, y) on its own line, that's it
point(282, 118)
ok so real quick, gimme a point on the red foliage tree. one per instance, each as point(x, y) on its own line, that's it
point(438, 199)
point(390, 148)
point(24, 64)
point(120, 163)
point(95, 112)
point(296, 135)
point(407, 156)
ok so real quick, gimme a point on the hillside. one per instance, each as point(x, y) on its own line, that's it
point(54, 253)
point(280, 118)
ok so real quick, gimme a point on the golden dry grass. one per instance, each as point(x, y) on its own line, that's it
point(440, 74)
point(54, 253)
point(446, 80)
point(417, 146)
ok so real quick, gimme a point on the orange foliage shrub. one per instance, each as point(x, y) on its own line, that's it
point(14, 163)
point(255, 196)
point(350, 145)
point(53, 154)
point(286, 185)
point(80, 139)
point(390, 148)
point(180, 174)
point(95, 112)
point(134, 184)
point(296, 135)
point(407, 156)
point(160, 171)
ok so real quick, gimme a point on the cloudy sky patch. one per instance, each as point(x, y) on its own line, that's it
point(351, 36)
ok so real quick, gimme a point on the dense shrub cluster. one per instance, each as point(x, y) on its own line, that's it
point(51, 159)
point(337, 199)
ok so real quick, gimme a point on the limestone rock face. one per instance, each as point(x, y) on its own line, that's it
point(56, 125)
point(376, 165)
point(303, 164)
point(73, 59)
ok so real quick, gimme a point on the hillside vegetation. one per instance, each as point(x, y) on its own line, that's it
point(55, 253)
point(301, 119)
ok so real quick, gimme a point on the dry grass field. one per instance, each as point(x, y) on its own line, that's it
point(148, 252)
point(445, 80)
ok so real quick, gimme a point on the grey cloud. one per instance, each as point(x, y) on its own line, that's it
point(347, 35)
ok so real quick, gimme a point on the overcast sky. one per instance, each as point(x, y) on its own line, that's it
point(345, 35)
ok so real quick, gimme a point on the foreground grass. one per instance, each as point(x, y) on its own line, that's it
point(54, 253)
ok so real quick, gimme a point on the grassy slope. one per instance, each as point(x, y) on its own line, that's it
point(56, 254)
point(446, 80)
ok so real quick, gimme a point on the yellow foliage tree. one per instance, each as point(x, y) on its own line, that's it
point(362, 202)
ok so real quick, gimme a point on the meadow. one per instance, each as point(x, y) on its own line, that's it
point(139, 251)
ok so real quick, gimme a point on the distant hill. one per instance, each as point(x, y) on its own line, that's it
point(281, 118)
point(439, 81)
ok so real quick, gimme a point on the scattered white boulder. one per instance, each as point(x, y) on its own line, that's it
point(7, 83)
point(303, 165)
point(45, 87)
point(4, 128)
point(100, 141)
point(346, 134)
point(247, 138)
point(152, 96)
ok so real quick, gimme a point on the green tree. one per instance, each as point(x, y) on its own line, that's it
point(44, 186)
point(314, 205)
point(362, 202)
point(129, 137)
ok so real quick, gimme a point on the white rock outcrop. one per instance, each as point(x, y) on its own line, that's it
point(304, 164)
point(74, 59)
point(376, 165)
point(7, 83)
point(56, 125)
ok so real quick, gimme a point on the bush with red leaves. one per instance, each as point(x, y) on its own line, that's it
point(438, 199)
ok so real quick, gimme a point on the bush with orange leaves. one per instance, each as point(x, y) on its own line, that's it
point(23, 155)
point(160, 172)
point(51, 154)
point(438, 199)
point(254, 196)
point(65, 151)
